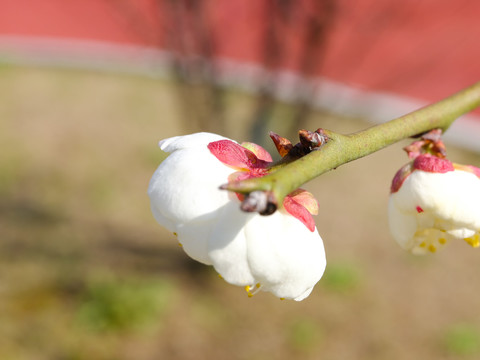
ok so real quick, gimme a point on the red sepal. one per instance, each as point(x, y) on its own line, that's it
point(235, 155)
point(300, 212)
point(430, 163)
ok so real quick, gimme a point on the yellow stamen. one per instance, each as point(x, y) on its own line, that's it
point(174, 233)
point(180, 244)
point(442, 241)
point(282, 298)
point(423, 244)
point(220, 276)
point(473, 241)
point(432, 248)
point(255, 289)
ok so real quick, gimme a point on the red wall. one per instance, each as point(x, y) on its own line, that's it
point(426, 49)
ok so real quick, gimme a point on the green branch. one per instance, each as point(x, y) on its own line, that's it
point(341, 149)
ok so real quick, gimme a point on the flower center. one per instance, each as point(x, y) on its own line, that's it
point(430, 240)
point(252, 289)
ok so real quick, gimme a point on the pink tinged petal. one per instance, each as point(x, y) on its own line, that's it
point(306, 199)
point(259, 151)
point(299, 211)
point(231, 154)
point(237, 156)
point(400, 177)
point(468, 168)
point(432, 164)
point(474, 170)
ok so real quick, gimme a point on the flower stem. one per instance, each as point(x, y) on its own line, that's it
point(341, 149)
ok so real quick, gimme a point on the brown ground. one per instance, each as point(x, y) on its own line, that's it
point(86, 273)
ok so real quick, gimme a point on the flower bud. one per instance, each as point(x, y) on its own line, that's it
point(281, 253)
point(432, 202)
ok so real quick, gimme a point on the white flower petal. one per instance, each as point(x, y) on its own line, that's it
point(402, 225)
point(285, 257)
point(193, 237)
point(430, 209)
point(186, 185)
point(461, 233)
point(184, 191)
point(227, 247)
point(188, 141)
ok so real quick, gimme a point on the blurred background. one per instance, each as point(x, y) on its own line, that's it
point(87, 88)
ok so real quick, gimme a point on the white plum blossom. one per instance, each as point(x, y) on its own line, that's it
point(434, 201)
point(281, 253)
point(184, 195)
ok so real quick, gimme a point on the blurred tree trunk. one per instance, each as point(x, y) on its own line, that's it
point(191, 42)
point(281, 17)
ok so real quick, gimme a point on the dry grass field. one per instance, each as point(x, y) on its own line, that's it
point(86, 273)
